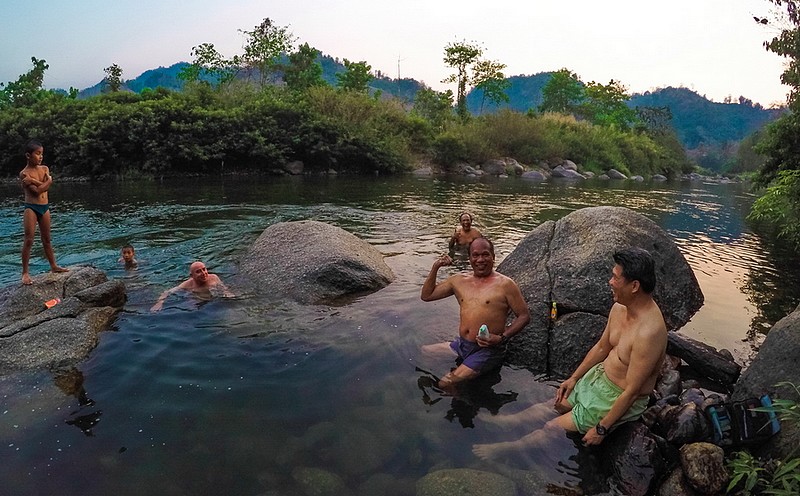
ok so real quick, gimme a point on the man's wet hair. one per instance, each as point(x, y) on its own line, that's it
point(462, 214)
point(128, 247)
point(32, 145)
point(491, 245)
point(637, 265)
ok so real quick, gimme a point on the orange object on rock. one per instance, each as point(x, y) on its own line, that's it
point(52, 303)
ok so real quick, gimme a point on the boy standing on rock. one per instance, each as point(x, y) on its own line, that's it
point(36, 180)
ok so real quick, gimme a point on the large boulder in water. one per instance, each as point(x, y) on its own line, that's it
point(313, 262)
point(776, 363)
point(35, 337)
point(569, 261)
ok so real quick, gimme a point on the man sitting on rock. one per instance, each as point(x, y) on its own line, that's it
point(613, 382)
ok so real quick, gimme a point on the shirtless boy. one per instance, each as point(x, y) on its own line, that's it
point(613, 382)
point(35, 179)
point(201, 283)
point(128, 257)
point(465, 233)
point(485, 297)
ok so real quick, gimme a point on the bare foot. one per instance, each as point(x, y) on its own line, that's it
point(490, 451)
point(26, 279)
point(58, 269)
point(541, 412)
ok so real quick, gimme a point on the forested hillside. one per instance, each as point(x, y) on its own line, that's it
point(262, 110)
point(524, 93)
point(709, 128)
point(709, 131)
point(700, 121)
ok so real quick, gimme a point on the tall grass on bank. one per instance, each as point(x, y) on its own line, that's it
point(240, 127)
point(553, 137)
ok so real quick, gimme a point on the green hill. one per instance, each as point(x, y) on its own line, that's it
point(166, 77)
point(524, 93)
point(699, 121)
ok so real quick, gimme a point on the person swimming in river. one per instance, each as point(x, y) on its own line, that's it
point(464, 233)
point(36, 180)
point(201, 283)
point(128, 257)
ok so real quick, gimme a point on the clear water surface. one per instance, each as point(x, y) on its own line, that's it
point(239, 396)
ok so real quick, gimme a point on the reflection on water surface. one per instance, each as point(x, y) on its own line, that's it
point(251, 395)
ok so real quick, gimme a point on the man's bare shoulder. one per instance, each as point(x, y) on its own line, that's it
point(505, 280)
point(459, 278)
point(503, 277)
point(653, 325)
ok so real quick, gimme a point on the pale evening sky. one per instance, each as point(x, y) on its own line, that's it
point(711, 46)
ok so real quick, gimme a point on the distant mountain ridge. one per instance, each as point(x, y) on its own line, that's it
point(697, 121)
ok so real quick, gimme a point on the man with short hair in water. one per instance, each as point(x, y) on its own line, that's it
point(613, 383)
point(485, 297)
point(200, 282)
point(465, 233)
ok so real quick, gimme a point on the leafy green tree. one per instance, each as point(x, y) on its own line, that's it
point(27, 89)
point(654, 120)
point(780, 204)
point(461, 56)
point(563, 93)
point(208, 63)
point(606, 105)
point(356, 77)
point(303, 71)
point(264, 46)
point(113, 80)
point(748, 159)
point(434, 106)
point(488, 77)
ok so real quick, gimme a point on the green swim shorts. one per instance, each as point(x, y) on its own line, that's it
point(593, 396)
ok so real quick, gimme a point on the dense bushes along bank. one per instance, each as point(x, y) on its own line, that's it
point(205, 130)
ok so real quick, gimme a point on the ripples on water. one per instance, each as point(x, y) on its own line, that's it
point(232, 396)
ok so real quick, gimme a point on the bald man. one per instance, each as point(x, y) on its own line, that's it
point(200, 283)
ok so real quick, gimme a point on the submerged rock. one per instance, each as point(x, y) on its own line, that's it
point(318, 482)
point(465, 482)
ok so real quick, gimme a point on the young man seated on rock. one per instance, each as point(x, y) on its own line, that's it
point(613, 383)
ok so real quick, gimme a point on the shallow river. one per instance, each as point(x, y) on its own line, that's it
point(251, 395)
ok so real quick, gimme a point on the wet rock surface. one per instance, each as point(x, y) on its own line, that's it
point(35, 337)
point(313, 262)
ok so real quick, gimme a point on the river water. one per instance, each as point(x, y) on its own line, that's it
point(255, 395)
